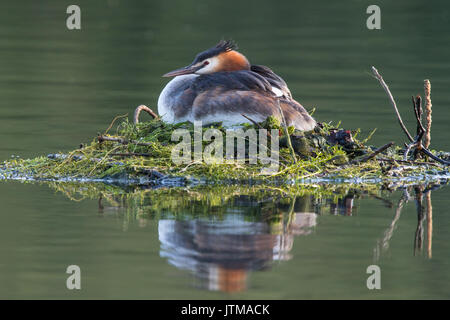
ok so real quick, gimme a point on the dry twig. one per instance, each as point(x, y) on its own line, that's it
point(391, 99)
point(101, 138)
point(146, 109)
point(373, 154)
point(414, 141)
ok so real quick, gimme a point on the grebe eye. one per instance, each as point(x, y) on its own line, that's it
point(205, 63)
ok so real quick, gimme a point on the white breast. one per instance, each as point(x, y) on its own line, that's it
point(170, 94)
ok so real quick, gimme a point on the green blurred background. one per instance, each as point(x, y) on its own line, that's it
point(59, 87)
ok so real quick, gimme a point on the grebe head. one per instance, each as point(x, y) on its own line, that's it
point(222, 57)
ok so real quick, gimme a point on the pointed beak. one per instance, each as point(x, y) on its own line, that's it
point(185, 70)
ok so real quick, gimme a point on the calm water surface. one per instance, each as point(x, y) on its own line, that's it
point(229, 243)
point(59, 88)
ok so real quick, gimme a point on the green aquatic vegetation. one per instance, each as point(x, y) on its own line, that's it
point(142, 153)
point(207, 200)
point(272, 204)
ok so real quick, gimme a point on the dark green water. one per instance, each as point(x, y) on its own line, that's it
point(58, 88)
point(221, 244)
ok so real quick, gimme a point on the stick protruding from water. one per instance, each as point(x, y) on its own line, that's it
point(427, 89)
point(391, 99)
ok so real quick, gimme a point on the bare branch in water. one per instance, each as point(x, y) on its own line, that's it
point(391, 99)
point(415, 142)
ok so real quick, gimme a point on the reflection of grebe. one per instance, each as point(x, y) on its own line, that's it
point(221, 252)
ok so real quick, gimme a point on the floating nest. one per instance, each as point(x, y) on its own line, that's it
point(141, 154)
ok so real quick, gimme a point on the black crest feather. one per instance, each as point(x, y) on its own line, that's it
point(226, 45)
point(222, 46)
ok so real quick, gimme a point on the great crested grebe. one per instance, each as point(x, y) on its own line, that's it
point(221, 85)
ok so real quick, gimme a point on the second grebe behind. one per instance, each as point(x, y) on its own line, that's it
point(220, 85)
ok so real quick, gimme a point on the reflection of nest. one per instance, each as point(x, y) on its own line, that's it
point(220, 253)
point(302, 223)
point(343, 206)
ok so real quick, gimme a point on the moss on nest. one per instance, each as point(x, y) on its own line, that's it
point(144, 151)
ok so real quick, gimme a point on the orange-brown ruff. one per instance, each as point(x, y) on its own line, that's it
point(220, 85)
point(232, 61)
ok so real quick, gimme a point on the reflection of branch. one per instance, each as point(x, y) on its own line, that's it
point(383, 244)
point(418, 239)
point(420, 191)
point(390, 231)
point(100, 204)
point(429, 224)
point(289, 215)
point(388, 203)
point(286, 223)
